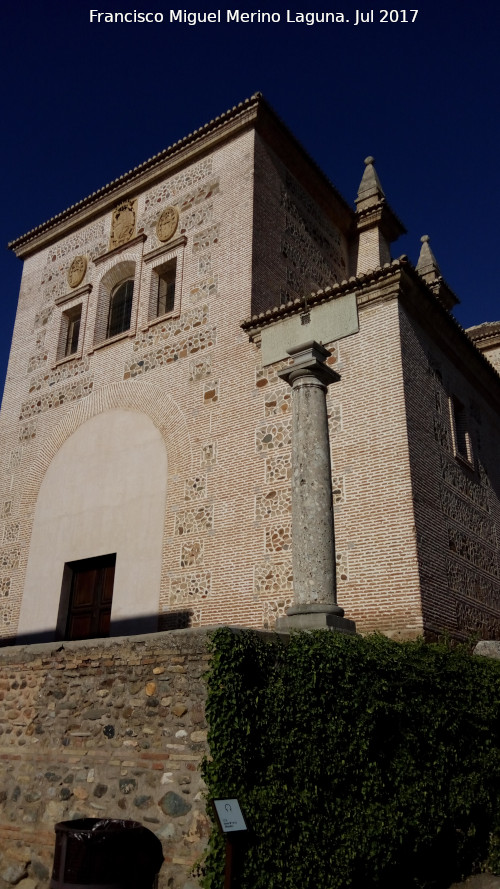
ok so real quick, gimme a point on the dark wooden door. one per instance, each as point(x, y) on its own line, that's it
point(91, 595)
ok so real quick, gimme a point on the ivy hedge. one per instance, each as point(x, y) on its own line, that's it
point(358, 762)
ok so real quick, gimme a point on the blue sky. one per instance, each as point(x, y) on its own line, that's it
point(83, 103)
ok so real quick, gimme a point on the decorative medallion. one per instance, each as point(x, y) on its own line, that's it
point(167, 223)
point(76, 271)
point(123, 223)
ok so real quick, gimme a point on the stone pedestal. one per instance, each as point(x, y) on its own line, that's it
point(314, 572)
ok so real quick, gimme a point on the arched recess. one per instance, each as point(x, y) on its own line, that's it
point(98, 485)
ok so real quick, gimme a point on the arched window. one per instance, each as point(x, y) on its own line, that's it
point(120, 308)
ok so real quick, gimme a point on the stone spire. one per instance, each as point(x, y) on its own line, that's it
point(370, 191)
point(428, 269)
point(377, 224)
point(427, 264)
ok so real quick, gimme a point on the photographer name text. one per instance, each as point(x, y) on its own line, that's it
point(237, 17)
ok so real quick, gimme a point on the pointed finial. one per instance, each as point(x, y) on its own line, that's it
point(370, 190)
point(427, 264)
point(429, 270)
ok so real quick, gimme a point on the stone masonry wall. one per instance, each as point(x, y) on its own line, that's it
point(102, 729)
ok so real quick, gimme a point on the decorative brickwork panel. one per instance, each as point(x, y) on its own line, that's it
point(191, 554)
point(273, 578)
point(442, 432)
point(205, 264)
point(6, 509)
point(273, 436)
point(342, 566)
point(36, 361)
point(60, 374)
point(338, 489)
point(335, 419)
point(9, 558)
point(205, 289)
point(476, 621)
point(471, 584)
point(465, 514)
point(275, 609)
point(278, 468)
point(11, 532)
point(473, 551)
point(191, 587)
point(278, 403)
point(167, 354)
point(195, 488)
point(273, 505)
point(455, 476)
point(209, 453)
point(194, 521)
point(200, 368)
point(279, 539)
point(6, 615)
point(15, 459)
point(5, 583)
point(171, 328)
point(205, 239)
point(43, 316)
point(196, 218)
point(211, 392)
point(169, 190)
point(27, 431)
point(91, 240)
point(266, 376)
point(45, 401)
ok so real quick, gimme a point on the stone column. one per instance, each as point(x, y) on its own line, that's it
point(313, 542)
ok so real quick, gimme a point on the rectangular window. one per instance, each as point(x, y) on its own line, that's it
point(73, 332)
point(69, 332)
point(166, 288)
point(461, 437)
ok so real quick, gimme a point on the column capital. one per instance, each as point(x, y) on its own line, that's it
point(309, 360)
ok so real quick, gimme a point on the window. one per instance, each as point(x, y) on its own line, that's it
point(69, 332)
point(166, 288)
point(90, 597)
point(73, 317)
point(120, 309)
point(461, 437)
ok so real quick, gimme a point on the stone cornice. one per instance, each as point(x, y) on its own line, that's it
point(486, 335)
point(253, 112)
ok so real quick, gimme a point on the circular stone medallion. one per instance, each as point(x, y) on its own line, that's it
point(167, 223)
point(76, 271)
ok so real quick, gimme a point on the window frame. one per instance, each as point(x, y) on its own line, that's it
point(156, 263)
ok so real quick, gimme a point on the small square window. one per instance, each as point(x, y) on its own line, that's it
point(165, 297)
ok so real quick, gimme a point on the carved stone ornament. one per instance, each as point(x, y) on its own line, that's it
point(166, 226)
point(123, 223)
point(76, 271)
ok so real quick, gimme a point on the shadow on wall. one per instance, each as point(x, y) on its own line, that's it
point(136, 626)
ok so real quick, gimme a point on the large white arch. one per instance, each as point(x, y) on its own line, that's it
point(104, 492)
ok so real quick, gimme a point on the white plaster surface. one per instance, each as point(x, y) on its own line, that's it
point(104, 492)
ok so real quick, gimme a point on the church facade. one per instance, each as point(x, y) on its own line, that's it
point(146, 433)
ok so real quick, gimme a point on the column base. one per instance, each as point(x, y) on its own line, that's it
point(315, 620)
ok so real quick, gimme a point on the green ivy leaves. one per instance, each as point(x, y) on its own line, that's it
point(358, 762)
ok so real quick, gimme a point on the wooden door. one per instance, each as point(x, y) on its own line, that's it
point(89, 612)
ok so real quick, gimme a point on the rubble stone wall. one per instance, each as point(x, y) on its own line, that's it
point(111, 728)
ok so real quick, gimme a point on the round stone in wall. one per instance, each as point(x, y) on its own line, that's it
point(76, 271)
point(166, 226)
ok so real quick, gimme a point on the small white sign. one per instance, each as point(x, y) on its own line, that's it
point(229, 814)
